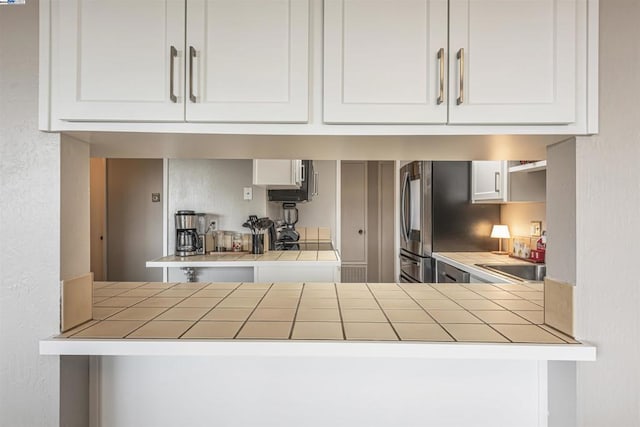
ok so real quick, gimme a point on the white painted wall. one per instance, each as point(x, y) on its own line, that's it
point(29, 230)
point(608, 207)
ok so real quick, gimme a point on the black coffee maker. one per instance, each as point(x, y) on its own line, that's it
point(187, 240)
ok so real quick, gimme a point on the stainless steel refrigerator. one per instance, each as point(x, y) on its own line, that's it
point(436, 215)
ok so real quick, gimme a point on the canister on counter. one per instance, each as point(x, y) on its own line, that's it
point(236, 244)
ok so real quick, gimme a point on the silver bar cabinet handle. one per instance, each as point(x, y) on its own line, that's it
point(192, 54)
point(441, 60)
point(173, 53)
point(461, 62)
point(316, 185)
point(497, 181)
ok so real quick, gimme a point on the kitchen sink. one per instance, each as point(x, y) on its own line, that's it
point(522, 272)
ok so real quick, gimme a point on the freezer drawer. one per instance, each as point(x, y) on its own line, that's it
point(418, 268)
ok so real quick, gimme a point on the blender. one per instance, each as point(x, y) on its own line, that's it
point(288, 235)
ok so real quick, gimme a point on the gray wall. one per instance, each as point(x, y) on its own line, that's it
point(608, 206)
point(134, 222)
point(29, 214)
point(213, 187)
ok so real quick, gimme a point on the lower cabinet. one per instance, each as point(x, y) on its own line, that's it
point(329, 274)
point(476, 279)
point(272, 273)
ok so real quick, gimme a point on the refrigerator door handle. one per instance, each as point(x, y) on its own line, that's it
point(403, 203)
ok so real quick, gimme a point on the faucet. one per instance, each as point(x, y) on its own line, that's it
point(190, 273)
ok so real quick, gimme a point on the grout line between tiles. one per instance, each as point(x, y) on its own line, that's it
point(295, 315)
point(423, 309)
point(252, 311)
point(149, 297)
point(230, 294)
point(344, 333)
point(383, 312)
point(208, 311)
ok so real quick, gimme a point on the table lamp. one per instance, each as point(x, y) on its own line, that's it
point(500, 232)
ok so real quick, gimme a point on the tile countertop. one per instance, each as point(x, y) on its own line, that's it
point(230, 259)
point(467, 261)
point(405, 320)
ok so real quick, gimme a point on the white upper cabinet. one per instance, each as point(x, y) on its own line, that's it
point(508, 62)
point(247, 60)
point(512, 61)
point(278, 173)
point(493, 181)
point(320, 67)
point(242, 61)
point(118, 60)
point(489, 181)
point(385, 61)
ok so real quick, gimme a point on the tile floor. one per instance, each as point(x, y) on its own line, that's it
point(320, 311)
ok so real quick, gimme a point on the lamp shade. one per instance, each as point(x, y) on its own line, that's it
point(500, 232)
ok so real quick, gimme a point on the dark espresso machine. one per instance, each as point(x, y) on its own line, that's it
point(187, 240)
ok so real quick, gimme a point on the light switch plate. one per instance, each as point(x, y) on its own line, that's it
point(247, 193)
point(536, 228)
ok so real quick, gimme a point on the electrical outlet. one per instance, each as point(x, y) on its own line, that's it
point(155, 197)
point(247, 193)
point(536, 228)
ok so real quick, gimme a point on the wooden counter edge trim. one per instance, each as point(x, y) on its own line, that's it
point(274, 348)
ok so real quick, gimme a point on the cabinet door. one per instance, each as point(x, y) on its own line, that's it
point(488, 181)
point(385, 61)
point(248, 60)
point(512, 61)
point(277, 173)
point(113, 60)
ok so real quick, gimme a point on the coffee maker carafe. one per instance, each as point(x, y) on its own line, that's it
point(187, 241)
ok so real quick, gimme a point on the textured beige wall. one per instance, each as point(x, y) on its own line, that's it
point(29, 230)
point(608, 206)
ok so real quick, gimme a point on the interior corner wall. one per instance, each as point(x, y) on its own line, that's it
point(608, 204)
point(561, 211)
point(518, 216)
point(75, 249)
point(321, 211)
point(29, 219)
